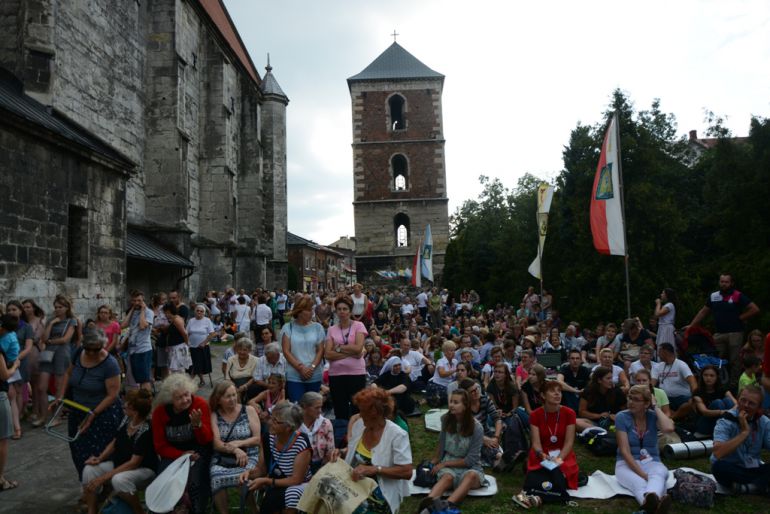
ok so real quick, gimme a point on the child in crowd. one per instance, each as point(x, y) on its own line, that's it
point(751, 366)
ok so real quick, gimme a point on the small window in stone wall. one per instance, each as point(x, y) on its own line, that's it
point(400, 167)
point(396, 106)
point(401, 225)
point(77, 242)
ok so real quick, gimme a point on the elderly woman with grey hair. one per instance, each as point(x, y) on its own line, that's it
point(240, 367)
point(317, 428)
point(93, 380)
point(181, 423)
point(289, 456)
point(271, 363)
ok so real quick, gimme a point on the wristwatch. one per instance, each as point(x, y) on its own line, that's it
point(379, 470)
point(313, 366)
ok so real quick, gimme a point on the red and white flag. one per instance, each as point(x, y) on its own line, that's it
point(416, 267)
point(606, 207)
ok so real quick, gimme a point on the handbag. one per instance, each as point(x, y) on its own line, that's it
point(46, 357)
point(423, 476)
point(228, 460)
point(694, 489)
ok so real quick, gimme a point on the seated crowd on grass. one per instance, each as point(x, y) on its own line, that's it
point(519, 385)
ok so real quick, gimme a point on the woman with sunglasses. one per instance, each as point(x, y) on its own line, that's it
point(93, 379)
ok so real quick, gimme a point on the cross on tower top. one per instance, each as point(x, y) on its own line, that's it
point(395, 34)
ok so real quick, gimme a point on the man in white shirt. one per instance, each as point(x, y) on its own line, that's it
point(422, 304)
point(677, 380)
point(280, 300)
point(407, 309)
point(263, 315)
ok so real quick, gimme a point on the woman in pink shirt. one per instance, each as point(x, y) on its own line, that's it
point(344, 350)
point(105, 319)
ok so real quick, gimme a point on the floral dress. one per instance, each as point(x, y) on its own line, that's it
point(375, 503)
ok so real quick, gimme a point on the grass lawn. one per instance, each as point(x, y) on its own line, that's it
point(424, 447)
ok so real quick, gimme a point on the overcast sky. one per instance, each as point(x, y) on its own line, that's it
point(519, 77)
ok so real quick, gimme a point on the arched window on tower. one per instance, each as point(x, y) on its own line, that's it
point(396, 106)
point(401, 227)
point(400, 172)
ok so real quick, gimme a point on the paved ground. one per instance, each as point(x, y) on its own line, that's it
point(43, 467)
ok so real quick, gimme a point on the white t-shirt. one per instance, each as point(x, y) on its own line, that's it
point(242, 317)
point(616, 370)
point(422, 300)
point(444, 363)
point(489, 368)
point(636, 366)
point(407, 309)
point(672, 378)
point(263, 314)
point(413, 360)
point(198, 330)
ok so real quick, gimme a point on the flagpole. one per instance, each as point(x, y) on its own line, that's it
point(623, 213)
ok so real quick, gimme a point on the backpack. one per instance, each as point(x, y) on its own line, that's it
point(600, 442)
point(550, 485)
point(423, 477)
point(693, 489)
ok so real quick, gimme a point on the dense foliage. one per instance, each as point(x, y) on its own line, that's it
point(685, 223)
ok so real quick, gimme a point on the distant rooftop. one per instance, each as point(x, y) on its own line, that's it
point(395, 63)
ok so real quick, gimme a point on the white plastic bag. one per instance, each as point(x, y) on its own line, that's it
point(167, 489)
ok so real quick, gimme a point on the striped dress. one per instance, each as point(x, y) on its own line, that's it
point(282, 463)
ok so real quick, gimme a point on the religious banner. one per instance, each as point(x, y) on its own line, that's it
point(544, 198)
point(606, 207)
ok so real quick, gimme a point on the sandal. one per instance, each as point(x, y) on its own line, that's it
point(16, 435)
point(527, 501)
point(6, 484)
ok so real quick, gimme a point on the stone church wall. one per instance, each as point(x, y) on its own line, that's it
point(34, 224)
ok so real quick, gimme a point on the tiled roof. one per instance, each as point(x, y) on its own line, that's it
point(270, 85)
point(221, 18)
point(18, 104)
point(295, 240)
point(395, 63)
point(141, 247)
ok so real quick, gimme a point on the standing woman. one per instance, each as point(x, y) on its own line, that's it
point(93, 379)
point(58, 337)
point(200, 331)
point(35, 318)
point(302, 341)
point(552, 430)
point(159, 335)
point(179, 359)
point(19, 379)
point(665, 311)
point(360, 304)
point(7, 368)
point(105, 319)
point(637, 465)
point(344, 351)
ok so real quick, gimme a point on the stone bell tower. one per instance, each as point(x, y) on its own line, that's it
point(398, 163)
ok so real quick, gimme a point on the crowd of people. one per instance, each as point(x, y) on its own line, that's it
point(309, 379)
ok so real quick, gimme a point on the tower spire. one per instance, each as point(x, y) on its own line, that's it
point(268, 67)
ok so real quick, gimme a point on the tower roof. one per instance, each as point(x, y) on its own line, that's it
point(270, 85)
point(395, 63)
